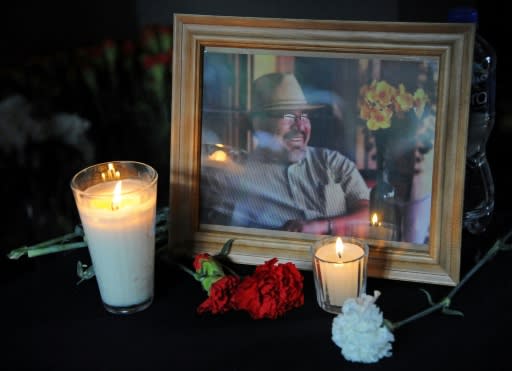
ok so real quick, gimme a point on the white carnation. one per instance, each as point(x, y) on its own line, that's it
point(359, 330)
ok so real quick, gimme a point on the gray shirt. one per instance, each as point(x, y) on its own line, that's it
point(265, 193)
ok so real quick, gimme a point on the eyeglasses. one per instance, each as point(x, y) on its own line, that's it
point(291, 116)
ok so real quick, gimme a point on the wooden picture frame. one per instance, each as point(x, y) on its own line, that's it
point(446, 46)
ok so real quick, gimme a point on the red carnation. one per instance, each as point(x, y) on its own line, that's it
point(219, 300)
point(198, 260)
point(271, 291)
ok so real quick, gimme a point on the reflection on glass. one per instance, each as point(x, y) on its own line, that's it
point(255, 143)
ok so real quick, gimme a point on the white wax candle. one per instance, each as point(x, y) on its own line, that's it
point(340, 274)
point(121, 238)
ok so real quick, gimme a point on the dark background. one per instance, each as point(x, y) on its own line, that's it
point(38, 203)
point(30, 29)
point(34, 28)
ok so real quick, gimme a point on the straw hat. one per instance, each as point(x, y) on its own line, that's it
point(279, 92)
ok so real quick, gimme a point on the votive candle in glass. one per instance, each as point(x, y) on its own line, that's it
point(117, 206)
point(339, 270)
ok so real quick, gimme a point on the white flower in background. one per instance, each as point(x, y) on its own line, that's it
point(18, 127)
point(70, 129)
point(360, 332)
point(16, 124)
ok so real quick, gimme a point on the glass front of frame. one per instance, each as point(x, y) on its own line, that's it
point(377, 112)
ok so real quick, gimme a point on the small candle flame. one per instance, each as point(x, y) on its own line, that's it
point(375, 219)
point(339, 247)
point(116, 198)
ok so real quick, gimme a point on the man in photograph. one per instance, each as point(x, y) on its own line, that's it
point(284, 184)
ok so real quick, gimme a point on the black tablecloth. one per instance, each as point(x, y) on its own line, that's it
point(50, 322)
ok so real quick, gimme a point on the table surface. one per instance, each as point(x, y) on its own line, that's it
point(50, 322)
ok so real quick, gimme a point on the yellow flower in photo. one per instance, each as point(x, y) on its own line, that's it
point(404, 100)
point(381, 93)
point(420, 100)
point(379, 119)
point(380, 101)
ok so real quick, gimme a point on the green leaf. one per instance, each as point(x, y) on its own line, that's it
point(429, 298)
point(84, 272)
point(227, 247)
point(452, 312)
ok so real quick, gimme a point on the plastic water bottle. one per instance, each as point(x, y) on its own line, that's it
point(479, 183)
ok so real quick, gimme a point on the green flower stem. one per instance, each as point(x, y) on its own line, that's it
point(187, 270)
point(54, 242)
point(63, 243)
point(56, 248)
point(442, 304)
point(446, 301)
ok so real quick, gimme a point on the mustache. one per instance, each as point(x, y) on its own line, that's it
point(294, 133)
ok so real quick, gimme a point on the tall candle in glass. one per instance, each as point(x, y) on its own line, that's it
point(339, 269)
point(117, 206)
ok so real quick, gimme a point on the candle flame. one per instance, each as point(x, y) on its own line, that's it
point(375, 219)
point(339, 247)
point(116, 198)
point(111, 173)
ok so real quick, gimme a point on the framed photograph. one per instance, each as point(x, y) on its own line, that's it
point(284, 131)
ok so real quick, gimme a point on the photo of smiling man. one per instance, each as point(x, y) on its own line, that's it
point(285, 184)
